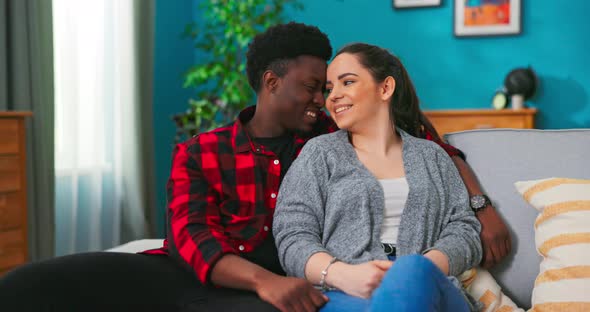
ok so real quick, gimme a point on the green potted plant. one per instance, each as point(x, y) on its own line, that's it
point(219, 80)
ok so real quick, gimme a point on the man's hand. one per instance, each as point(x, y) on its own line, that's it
point(290, 294)
point(285, 293)
point(495, 238)
point(358, 280)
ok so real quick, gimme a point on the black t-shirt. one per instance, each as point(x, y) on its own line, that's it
point(283, 147)
point(266, 254)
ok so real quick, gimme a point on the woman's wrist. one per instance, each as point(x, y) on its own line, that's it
point(324, 273)
point(335, 274)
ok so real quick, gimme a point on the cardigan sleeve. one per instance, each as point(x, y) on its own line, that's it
point(459, 239)
point(300, 210)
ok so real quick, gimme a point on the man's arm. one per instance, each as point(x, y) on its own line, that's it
point(495, 238)
point(195, 236)
point(198, 239)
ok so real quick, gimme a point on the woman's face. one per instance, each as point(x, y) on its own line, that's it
point(354, 98)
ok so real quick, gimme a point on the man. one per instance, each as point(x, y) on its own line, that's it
point(223, 184)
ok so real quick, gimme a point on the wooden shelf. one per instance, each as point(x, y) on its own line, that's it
point(15, 114)
point(446, 121)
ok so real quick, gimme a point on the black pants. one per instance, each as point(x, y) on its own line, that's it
point(104, 281)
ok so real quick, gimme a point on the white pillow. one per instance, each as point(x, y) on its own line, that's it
point(562, 238)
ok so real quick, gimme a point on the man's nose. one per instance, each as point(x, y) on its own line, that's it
point(319, 100)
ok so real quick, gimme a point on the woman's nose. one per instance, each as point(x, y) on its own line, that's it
point(333, 95)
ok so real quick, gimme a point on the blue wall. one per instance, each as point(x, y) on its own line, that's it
point(173, 56)
point(449, 72)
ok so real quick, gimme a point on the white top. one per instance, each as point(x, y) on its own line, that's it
point(396, 195)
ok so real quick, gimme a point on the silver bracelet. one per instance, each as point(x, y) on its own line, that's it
point(325, 272)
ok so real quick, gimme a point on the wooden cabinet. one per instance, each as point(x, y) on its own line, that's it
point(446, 121)
point(13, 191)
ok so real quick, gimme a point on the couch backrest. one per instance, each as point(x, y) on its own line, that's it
point(501, 157)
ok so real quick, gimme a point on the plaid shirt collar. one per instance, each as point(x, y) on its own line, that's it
point(242, 141)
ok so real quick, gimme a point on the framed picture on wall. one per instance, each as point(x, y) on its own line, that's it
point(404, 4)
point(487, 17)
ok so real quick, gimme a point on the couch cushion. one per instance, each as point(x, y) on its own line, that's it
point(501, 157)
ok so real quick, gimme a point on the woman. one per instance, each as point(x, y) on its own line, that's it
point(374, 214)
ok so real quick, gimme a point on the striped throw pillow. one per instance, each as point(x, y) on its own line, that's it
point(482, 286)
point(562, 238)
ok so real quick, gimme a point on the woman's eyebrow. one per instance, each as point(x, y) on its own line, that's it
point(342, 76)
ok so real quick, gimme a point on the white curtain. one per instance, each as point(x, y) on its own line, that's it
point(96, 133)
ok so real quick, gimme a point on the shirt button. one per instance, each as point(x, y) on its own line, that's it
point(276, 162)
point(265, 228)
point(273, 195)
point(241, 247)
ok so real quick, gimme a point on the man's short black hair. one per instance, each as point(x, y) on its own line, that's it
point(279, 44)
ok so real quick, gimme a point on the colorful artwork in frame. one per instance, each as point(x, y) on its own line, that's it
point(487, 17)
point(404, 4)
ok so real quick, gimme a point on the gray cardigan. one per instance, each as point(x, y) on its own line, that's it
point(329, 202)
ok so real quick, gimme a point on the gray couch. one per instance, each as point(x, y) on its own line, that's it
point(501, 157)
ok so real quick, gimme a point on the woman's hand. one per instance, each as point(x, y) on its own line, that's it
point(358, 280)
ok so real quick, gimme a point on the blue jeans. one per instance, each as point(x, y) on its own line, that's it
point(413, 283)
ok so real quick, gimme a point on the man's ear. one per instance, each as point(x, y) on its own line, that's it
point(270, 81)
point(387, 88)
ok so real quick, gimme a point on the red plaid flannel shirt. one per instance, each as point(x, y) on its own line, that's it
point(451, 150)
point(222, 193)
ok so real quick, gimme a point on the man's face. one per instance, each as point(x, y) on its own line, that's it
point(299, 93)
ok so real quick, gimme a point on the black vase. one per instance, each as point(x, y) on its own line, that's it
point(521, 81)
